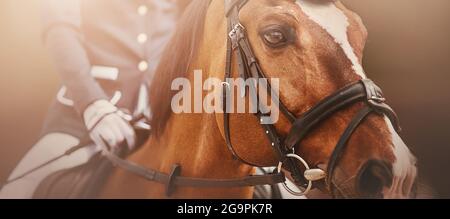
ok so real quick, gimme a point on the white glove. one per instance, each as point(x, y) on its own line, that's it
point(107, 124)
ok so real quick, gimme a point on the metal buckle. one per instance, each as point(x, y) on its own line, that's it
point(236, 34)
point(311, 175)
point(378, 99)
point(238, 28)
point(374, 94)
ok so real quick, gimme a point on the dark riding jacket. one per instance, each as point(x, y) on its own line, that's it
point(103, 49)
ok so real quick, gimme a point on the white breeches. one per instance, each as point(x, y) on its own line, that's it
point(48, 147)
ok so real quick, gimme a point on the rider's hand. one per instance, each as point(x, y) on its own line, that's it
point(107, 124)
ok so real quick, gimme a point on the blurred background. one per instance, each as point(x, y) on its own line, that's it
point(408, 54)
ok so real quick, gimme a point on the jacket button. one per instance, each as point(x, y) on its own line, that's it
point(143, 66)
point(142, 10)
point(142, 38)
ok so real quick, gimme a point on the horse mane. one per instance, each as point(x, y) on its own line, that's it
point(175, 62)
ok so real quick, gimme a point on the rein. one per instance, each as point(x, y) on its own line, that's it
point(174, 179)
point(171, 180)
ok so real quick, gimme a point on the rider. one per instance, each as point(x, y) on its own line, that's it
point(104, 51)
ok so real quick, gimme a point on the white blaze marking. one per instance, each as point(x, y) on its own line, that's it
point(404, 159)
point(334, 21)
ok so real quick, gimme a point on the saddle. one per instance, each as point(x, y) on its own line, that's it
point(84, 181)
point(81, 182)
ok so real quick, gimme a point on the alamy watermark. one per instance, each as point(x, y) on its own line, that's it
point(241, 96)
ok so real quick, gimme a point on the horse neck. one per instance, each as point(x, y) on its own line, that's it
point(194, 141)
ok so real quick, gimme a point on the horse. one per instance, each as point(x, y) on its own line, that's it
point(315, 48)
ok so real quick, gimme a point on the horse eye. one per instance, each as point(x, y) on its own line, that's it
point(274, 38)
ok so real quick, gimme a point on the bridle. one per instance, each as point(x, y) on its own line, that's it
point(364, 91)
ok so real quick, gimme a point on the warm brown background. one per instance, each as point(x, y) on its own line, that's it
point(408, 54)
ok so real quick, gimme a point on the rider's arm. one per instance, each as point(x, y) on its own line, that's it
point(63, 38)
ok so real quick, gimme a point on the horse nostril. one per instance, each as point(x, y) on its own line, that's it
point(373, 177)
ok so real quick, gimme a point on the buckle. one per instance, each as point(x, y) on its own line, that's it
point(375, 96)
point(236, 34)
point(378, 99)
